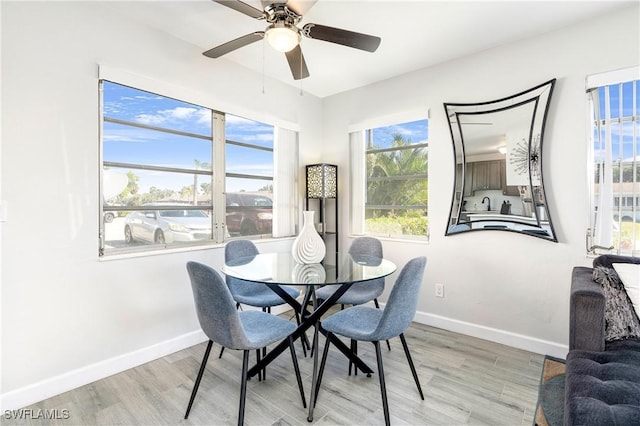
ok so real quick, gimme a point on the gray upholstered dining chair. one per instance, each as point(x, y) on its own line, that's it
point(224, 324)
point(249, 293)
point(359, 293)
point(363, 323)
point(364, 292)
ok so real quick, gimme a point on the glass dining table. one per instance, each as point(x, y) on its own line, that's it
point(342, 271)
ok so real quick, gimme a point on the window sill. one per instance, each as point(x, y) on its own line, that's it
point(183, 249)
point(145, 253)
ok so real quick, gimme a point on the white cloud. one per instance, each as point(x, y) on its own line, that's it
point(244, 124)
point(260, 137)
point(129, 134)
point(406, 131)
point(199, 115)
point(150, 119)
point(144, 97)
point(180, 113)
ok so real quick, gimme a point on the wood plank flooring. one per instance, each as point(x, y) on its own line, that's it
point(465, 381)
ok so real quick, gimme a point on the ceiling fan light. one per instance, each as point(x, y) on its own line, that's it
point(282, 36)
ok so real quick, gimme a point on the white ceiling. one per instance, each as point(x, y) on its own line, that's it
point(415, 34)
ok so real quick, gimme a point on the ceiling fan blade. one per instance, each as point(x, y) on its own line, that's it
point(300, 6)
point(232, 45)
point(343, 37)
point(241, 7)
point(297, 64)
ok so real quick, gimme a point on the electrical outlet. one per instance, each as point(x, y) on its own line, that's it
point(439, 290)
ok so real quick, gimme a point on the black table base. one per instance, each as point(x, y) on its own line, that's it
point(310, 319)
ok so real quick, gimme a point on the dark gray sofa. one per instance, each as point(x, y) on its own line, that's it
point(602, 378)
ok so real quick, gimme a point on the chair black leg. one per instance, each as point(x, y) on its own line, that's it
point(264, 370)
point(243, 387)
point(353, 342)
point(383, 388)
point(265, 309)
point(197, 383)
point(322, 364)
point(296, 367)
point(375, 301)
point(354, 349)
point(413, 368)
point(260, 373)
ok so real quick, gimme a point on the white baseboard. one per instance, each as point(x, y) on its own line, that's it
point(36, 392)
point(39, 391)
point(519, 341)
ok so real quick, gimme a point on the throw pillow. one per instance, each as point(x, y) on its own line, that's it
point(629, 274)
point(621, 320)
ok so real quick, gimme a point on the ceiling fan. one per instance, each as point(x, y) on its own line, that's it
point(284, 36)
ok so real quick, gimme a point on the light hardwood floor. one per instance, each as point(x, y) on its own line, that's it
point(465, 381)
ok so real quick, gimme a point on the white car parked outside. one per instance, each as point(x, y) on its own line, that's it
point(166, 226)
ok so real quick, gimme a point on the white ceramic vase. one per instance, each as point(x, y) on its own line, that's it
point(308, 246)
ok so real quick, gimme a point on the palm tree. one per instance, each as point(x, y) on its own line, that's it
point(398, 177)
point(187, 192)
point(199, 166)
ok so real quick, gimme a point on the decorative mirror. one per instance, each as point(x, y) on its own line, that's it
point(498, 158)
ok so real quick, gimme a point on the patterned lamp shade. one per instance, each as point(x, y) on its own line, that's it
point(322, 181)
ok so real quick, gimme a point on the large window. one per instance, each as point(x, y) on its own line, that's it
point(176, 174)
point(615, 149)
point(249, 177)
point(395, 179)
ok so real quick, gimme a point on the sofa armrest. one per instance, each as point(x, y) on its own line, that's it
point(586, 312)
point(607, 260)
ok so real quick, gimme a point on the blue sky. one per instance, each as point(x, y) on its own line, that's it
point(627, 99)
point(416, 131)
point(129, 144)
point(621, 104)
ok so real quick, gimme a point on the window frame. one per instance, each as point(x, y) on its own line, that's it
point(218, 179)
point(601, 239)
point(360, 140)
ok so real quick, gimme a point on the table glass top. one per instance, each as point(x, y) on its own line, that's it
point(281, 268)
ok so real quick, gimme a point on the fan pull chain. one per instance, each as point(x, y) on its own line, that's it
point(263, 59)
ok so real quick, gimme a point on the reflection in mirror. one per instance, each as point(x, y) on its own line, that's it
point(498, 158)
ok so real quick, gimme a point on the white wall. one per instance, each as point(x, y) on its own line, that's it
point(498, 285)
point(68, 318)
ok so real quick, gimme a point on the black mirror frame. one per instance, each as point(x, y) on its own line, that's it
point(537, 127)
